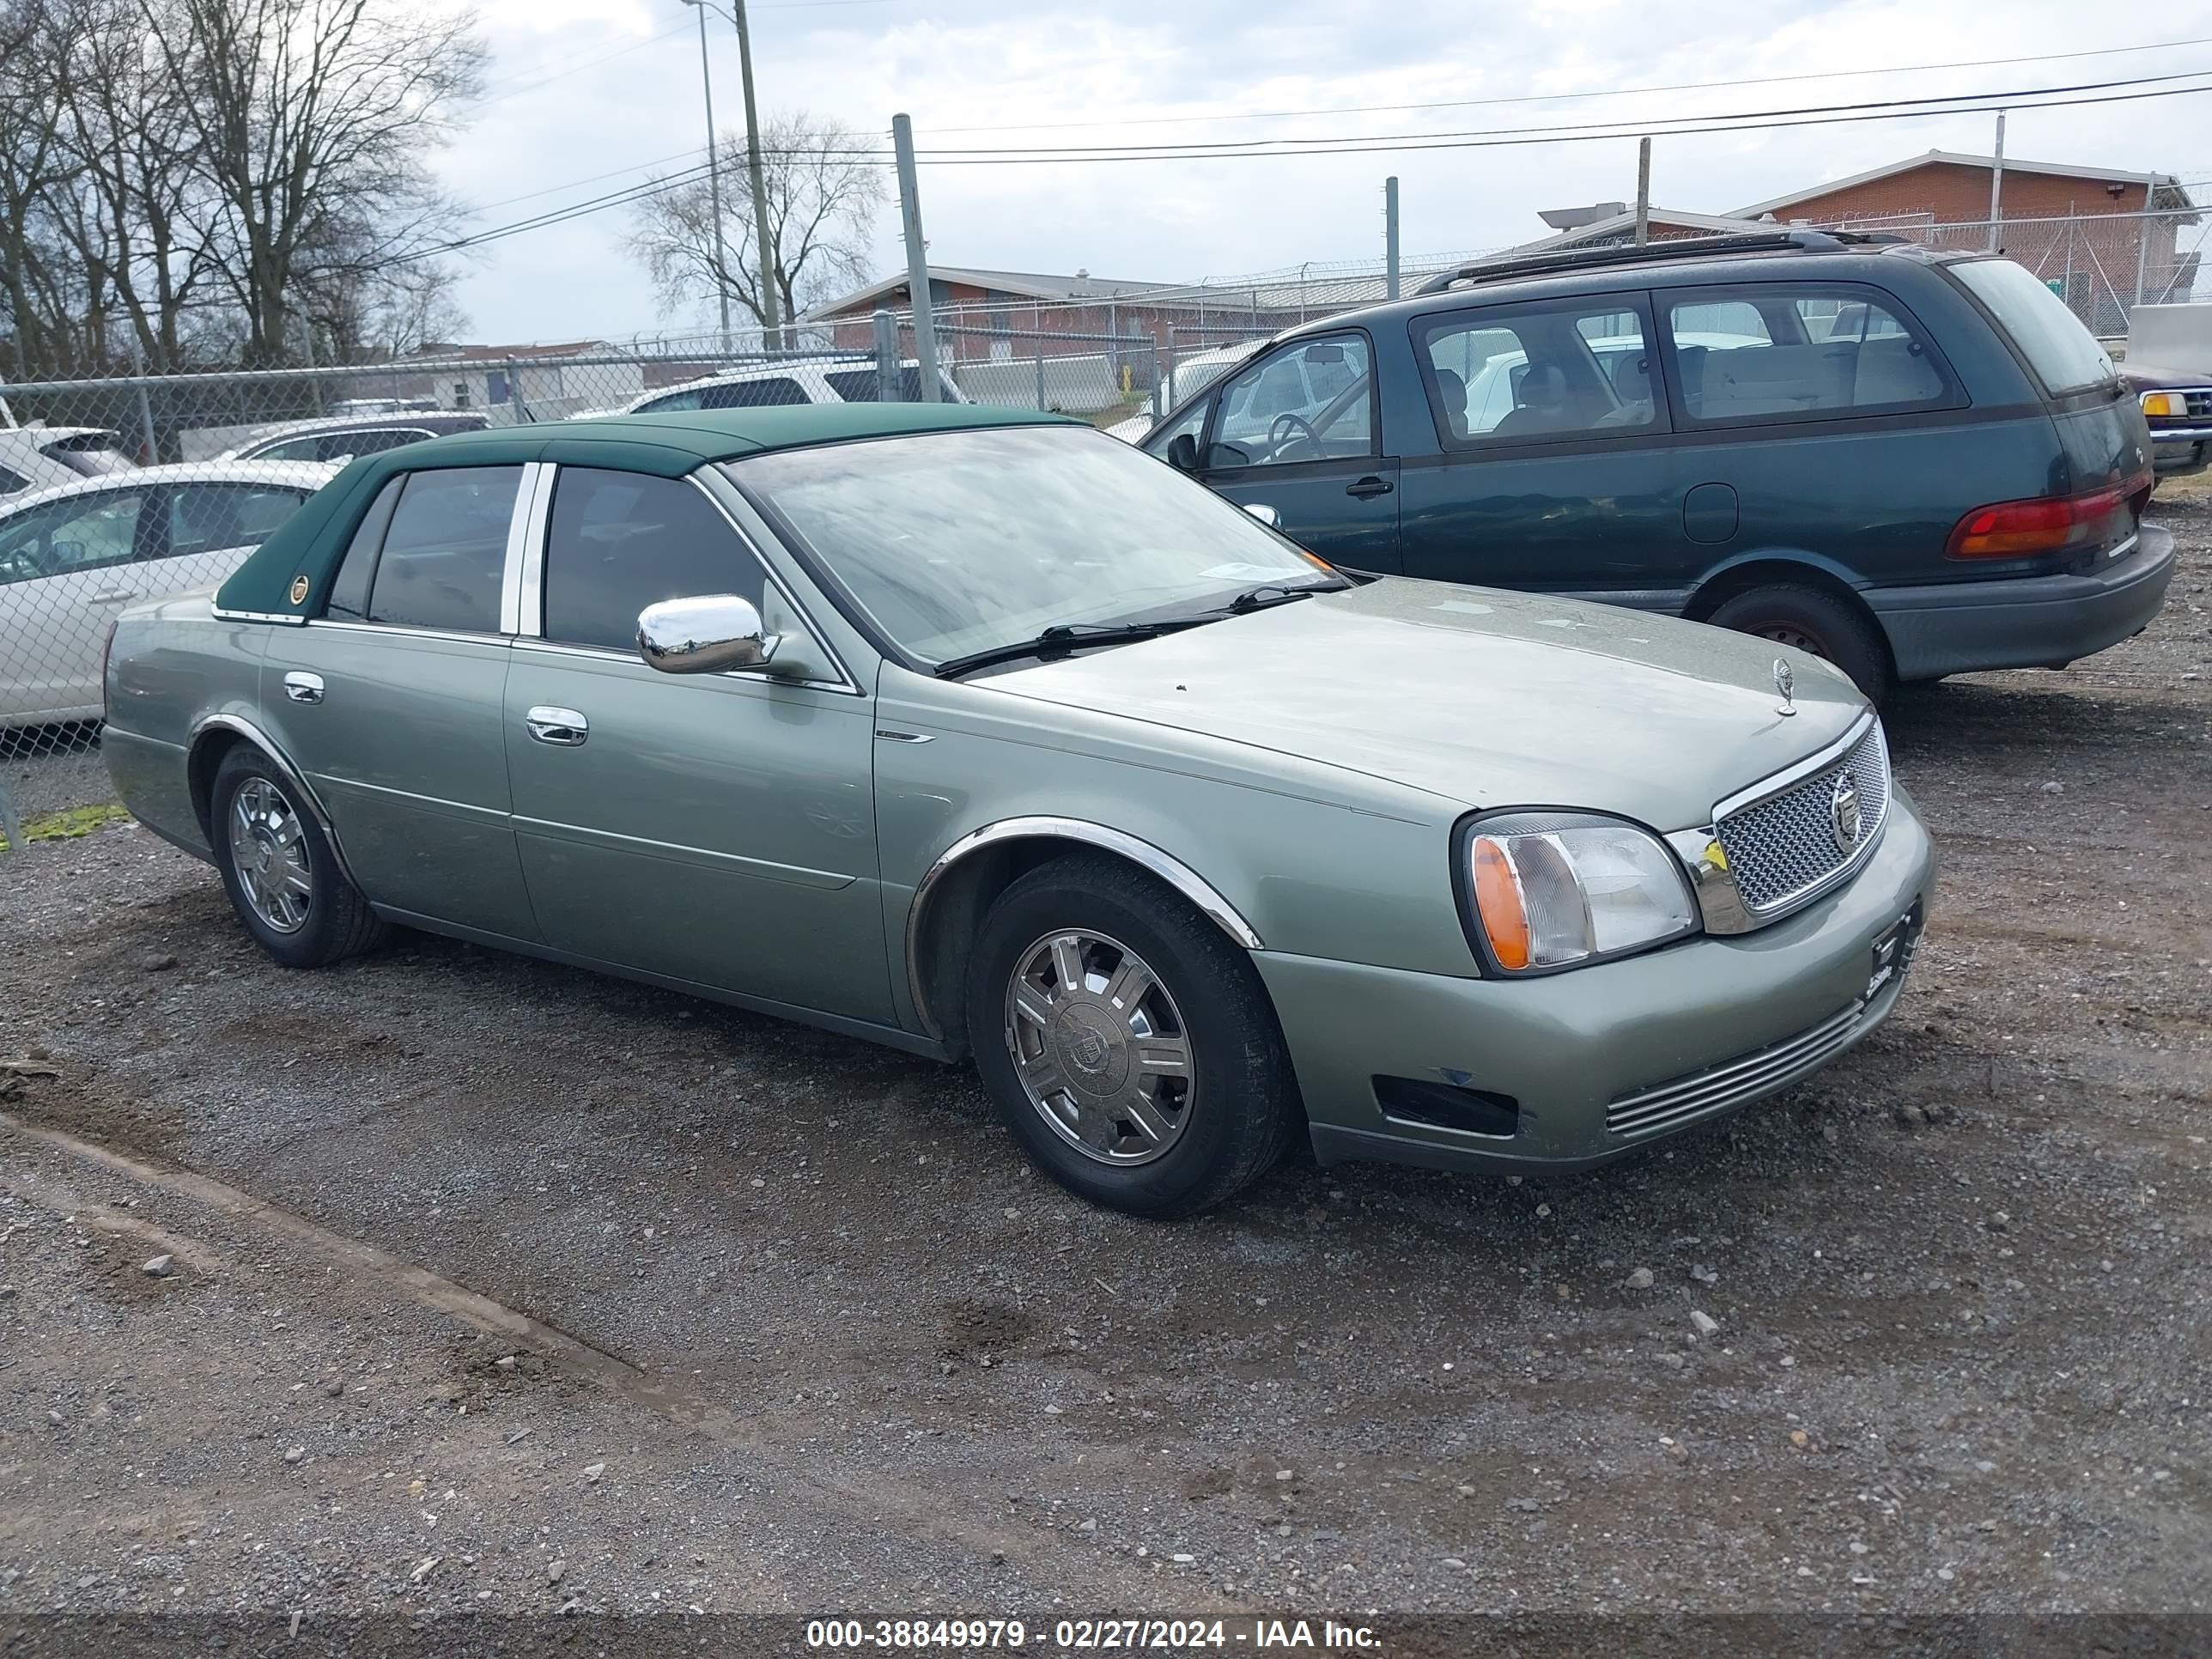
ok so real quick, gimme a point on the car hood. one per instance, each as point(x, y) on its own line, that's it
point(2149, 377)
point(1485, 698)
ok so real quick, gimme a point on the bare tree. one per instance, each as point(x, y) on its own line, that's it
point(136, 209)
point(311, 118)
point(377, 316)
point(821, 205)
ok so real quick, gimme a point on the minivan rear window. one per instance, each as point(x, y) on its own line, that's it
point(2064, 355)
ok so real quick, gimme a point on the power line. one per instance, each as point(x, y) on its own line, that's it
point(497, 95)
point(1956, 102)
point(1578, 97)
point(1890, 110)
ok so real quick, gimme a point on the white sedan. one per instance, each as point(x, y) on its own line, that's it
point(72, 556)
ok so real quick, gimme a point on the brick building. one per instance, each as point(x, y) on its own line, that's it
point(1008, 315)
point(2050, 213)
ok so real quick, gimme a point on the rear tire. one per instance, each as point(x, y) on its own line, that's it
point(1790, 613)
point(1127, 1042)
point(278, 868)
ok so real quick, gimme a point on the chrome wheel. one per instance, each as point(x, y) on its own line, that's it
point(270, 856)
point(1099, 1047)
point(1790, 634)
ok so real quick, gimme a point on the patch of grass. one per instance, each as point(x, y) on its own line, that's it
point(72, 821)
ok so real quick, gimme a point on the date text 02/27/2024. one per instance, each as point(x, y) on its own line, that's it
point(1090, 1635)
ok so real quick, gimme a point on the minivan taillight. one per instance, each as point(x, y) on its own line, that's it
point(2049, 524)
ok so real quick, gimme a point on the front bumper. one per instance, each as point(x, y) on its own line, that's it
point(2174, 452)
point(2030, 622)
point(1656, 1042)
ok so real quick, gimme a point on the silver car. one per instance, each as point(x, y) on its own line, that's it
point(73, 556)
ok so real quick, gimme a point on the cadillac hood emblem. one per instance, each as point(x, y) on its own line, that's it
point(1843, 811)
point(1785, 687)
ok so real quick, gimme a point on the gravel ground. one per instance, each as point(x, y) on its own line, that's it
point(54, 767)
point(793, 1327)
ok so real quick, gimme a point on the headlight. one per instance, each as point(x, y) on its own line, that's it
point(1554, 890)
point(2163, 405)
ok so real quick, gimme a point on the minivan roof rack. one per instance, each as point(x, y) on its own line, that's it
point(1686, 247)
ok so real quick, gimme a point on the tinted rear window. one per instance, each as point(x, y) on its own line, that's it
point(2064, 355)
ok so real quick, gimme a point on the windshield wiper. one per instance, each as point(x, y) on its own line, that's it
point(1062, 638)
point(1267, 593)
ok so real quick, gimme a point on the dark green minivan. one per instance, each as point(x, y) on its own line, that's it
point(1911, 462)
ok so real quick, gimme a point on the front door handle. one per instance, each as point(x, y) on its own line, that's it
point(1367, 488)
point(114, 596)
point(303, 688)
point(564, 728)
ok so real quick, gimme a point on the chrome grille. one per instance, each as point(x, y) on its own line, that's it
point(1733, 1082)
point(1787, 844)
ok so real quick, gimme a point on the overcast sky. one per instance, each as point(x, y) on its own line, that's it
point(554, 118)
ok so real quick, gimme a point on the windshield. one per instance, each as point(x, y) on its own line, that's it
point(2065, 354)
point(956, 542)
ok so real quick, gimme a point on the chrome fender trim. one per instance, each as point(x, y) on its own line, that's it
point(1170, 870)
point(276, 757)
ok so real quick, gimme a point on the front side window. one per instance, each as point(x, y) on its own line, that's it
point(1757, 354)
point(1190, 424)
point(208, 518)
point(292, 449)
point(62, 537)
point(956, 541)
point(859, 386)
point(1310, 402)
point(2064, 355)
point(12, 482)
point(769, 393)
point(1547, 372)
point(674, 403)
point(621, 541)
point(445, 550)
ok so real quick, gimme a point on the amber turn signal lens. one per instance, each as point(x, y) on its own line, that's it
point(1497, 900)
point(2165, 405)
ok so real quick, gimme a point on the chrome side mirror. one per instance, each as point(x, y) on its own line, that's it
point(1265, 513)
point(706, 635)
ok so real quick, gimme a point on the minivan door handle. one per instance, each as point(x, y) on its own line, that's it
point(1367, 488)
point(564, 728)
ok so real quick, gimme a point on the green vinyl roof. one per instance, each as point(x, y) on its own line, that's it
point(289, 576)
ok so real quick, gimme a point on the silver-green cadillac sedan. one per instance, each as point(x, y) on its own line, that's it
point(980, 734)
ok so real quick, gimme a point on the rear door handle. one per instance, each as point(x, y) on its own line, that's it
point(564, 728)
point(114, 596)
point(1367, 488)
point(303, 688)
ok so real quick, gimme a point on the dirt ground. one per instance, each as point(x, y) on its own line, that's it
point(498, 1287)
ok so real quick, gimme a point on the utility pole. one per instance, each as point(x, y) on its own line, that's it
point(917, 260)
point(1996, 190)
point(714, 179)
point(771, 316)
point(1643, 191)
point(1390, 239)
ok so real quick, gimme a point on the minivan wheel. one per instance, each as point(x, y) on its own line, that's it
point(278, 869)
point(1128, 1043)
point(1815, 621)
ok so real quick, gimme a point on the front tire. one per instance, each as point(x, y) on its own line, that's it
point(1790, 613)
point(277, 866)
point(1128, 1043)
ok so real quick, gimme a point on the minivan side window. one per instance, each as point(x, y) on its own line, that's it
point(1546, 372)
point(446, 550)
point(1310, 402)
point(621, 541)
point(1793, 351)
